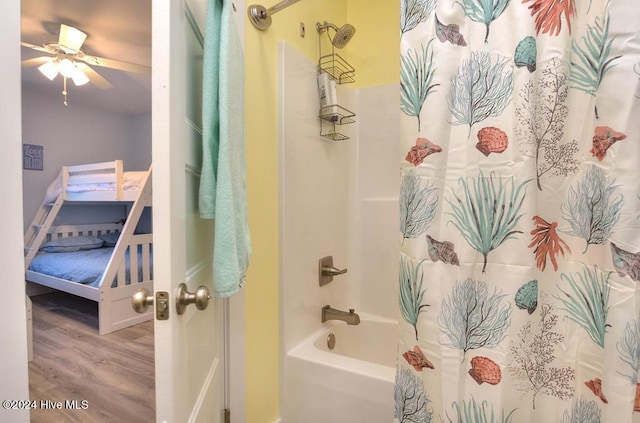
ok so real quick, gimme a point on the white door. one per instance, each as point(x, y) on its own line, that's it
point(189, 348)
point(13, 332)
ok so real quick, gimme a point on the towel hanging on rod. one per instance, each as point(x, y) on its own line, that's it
point(222, 191)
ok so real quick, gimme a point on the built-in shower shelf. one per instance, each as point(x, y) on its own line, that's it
point(333, 116)
point(337, 68)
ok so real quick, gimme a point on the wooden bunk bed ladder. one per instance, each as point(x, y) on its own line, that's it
point(39, 227)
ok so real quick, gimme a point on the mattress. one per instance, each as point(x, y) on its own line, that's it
point(94, 182)
point(104, 182)
point(85, 267)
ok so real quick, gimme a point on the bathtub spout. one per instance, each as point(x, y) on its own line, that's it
point(351, 317)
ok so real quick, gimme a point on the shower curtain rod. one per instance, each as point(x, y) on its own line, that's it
point(260, 17)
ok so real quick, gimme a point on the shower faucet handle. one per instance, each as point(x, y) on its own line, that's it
point(333, 271)
point(327, 271)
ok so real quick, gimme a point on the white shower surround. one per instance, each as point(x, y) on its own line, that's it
point(354, 381)
point(336, 198)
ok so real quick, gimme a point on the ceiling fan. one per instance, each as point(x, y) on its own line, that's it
point(67, 59)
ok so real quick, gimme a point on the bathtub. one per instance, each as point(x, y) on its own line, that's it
point(352, 383)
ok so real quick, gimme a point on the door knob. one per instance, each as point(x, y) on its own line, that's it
point(141, 300)
point(200, 298)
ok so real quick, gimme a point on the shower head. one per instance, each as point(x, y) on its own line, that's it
point(343, 34)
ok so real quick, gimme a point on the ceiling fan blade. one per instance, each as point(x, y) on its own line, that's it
point(37, 48)
point(95, 78)
point(37, 61)
point(115, 64)
point(70, 39)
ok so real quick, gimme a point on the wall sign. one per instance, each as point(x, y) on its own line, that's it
point(32, 157)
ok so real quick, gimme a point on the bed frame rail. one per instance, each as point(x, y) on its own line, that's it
point(92, 229)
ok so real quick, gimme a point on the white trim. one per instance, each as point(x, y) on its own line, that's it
point(236, 326)
point(281, 218)
point(237, 354)
point(203, 392)
point(13, 352)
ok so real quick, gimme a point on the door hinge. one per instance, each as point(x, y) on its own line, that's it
point(227, 416)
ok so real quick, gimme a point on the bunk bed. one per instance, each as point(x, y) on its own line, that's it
point(103, 262)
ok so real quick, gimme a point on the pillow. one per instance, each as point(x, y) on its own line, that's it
point(74, 243)
point(110, 239)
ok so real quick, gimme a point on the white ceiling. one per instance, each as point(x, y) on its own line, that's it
point(116, 29)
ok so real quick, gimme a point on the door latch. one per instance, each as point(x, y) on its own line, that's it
point(162, 305)
point(141, 301)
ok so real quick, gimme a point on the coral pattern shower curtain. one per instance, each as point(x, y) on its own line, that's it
point(520, 211)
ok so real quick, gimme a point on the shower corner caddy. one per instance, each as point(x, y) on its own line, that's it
point(335, 115)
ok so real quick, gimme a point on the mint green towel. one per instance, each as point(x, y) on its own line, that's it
point(223, 193)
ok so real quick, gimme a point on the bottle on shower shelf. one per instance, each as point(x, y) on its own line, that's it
point(327, 94)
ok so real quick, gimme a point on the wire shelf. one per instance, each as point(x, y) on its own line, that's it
point(337, 68)
point(332, 116)
point(335, 136)
point(340, 71)
point(337, 114)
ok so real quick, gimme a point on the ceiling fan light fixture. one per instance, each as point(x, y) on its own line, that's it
point(49, 69)
point(71, 38)
point(67, 68)
point(80, 78)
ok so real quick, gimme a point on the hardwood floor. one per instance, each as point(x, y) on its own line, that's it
point(113, 374)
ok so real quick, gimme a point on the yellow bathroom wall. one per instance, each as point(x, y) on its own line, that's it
point(261, 107)
point(374, 51)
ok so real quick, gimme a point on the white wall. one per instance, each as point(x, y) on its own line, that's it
point(377, 235)
point(336, 198)
point(314, 203)
point(74, 135)
point(138, 154)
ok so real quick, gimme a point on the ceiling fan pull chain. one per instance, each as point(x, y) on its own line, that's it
point(64, 91)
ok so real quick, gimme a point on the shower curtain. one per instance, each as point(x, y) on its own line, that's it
point(519, 211)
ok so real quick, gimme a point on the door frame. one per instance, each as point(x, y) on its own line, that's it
point(236, 347)
point(13, 355)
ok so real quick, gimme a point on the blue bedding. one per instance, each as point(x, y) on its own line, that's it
point(85, 267)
